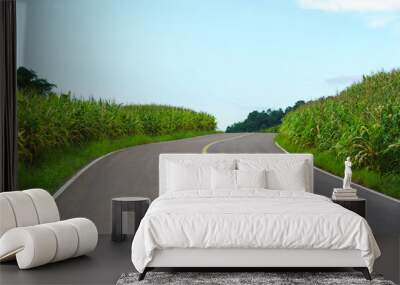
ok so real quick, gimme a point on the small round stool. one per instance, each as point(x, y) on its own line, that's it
point(138, 205)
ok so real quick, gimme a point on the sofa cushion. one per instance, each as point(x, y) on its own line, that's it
point(45, 205)
point(7, 220)
point(23, 208)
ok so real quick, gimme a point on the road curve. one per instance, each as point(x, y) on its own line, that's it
point(130, 172)
point(134, 172)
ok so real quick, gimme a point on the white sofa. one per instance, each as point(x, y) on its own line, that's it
point(31, 231)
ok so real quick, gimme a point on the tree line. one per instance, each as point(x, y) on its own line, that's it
point(257, 121)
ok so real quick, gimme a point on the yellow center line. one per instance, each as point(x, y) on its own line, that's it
point(206, 147)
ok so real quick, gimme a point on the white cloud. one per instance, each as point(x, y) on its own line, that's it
point(376, 13)
point(351, 5)
point(380, 21)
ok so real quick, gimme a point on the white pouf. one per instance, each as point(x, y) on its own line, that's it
point(31, 232)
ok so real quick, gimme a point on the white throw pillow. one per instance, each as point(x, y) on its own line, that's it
point(188, 177)
point(281, 174)
point(193, 174)
point(251, 178)
point(223, 179)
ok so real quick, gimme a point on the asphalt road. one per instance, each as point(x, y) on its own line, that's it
point(134, 172)
point(131, 172)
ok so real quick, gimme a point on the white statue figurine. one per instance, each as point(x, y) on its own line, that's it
point(347, 174)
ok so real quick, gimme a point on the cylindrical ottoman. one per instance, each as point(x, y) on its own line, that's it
point(40, 244)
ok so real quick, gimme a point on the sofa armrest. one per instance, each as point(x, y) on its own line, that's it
point(32, 246)
point(40, 244)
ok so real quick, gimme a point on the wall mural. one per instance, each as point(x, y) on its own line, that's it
point(140, 78)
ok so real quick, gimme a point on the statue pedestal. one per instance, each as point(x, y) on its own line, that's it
point(345, 190)
point(344, 194)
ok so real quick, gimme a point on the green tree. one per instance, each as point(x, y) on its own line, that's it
point(27, 79)
point(257, 121)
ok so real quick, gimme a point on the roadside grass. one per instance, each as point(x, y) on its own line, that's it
point(55, 121)
point(362, 121)
point(387, 184)
point(274, 129)
point(55, 166)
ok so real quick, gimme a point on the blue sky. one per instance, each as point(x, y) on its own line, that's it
point(227, 58)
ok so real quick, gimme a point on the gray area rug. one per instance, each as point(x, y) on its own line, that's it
point(228, 278)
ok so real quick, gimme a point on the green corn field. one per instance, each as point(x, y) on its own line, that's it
point(59, 120)
point(362, 122)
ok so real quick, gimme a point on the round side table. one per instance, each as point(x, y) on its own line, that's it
point(138, 205)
